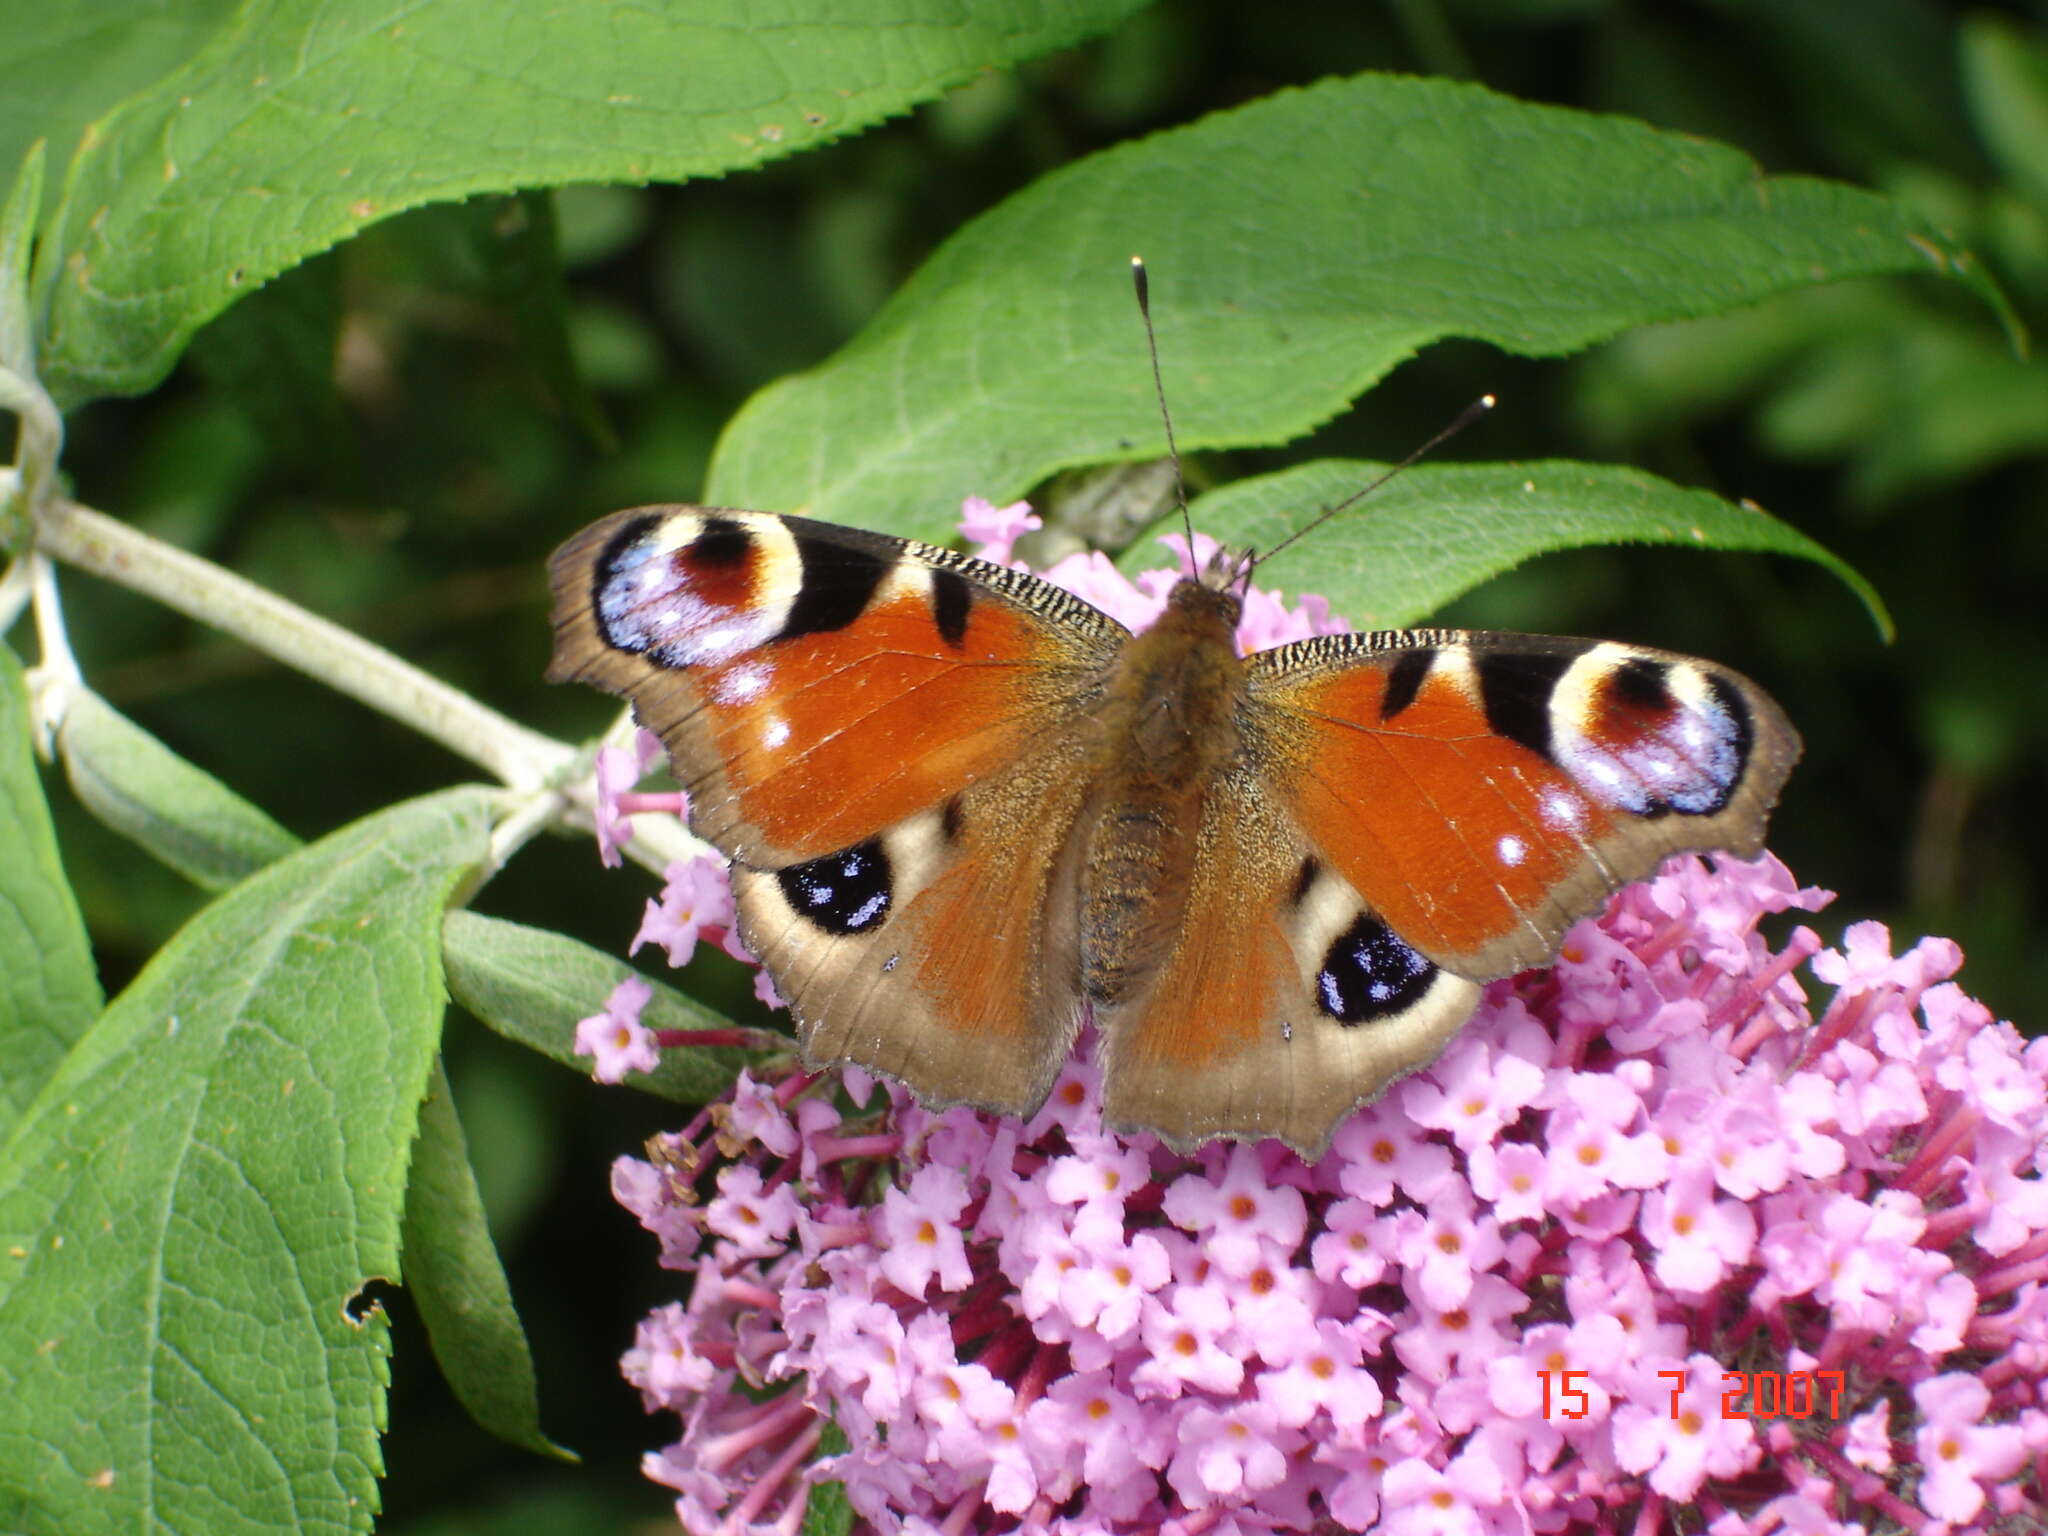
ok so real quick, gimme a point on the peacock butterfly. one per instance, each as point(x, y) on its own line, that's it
point(966, 810)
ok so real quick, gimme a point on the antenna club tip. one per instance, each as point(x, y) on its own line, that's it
point(1137, 261)
point(1488, 402)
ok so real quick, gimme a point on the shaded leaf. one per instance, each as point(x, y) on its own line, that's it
point(532, 985)
point(458, 1282)
point(1874, 80)
point(829, 1512)
point(195, 1203)
point(1439, 530)
point(2005, 76)
point(49, 987)
point(1924, 402)
point(1299, 247)
point(150, 795)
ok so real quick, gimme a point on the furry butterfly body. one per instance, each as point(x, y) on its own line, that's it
point(966, 809)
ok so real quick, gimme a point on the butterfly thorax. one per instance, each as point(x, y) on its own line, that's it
point(1168, 729)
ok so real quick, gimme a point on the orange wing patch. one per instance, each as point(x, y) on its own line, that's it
point(826, 738)
point(1449, 830)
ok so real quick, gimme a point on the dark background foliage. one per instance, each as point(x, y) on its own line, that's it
point(397, 433)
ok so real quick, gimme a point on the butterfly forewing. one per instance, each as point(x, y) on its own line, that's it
point(816, 684)
point(1484, 791)
point(880, 734)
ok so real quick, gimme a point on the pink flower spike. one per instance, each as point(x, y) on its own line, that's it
point(1958, 1450)
point(1242, 1216)
point(616, 1037)
point(1442, 1248)
point(696, 896)
point(1128, 1339)
point(618, 770)
point(1182, 1334)
point(1231, 1453)
point(1324, 1376)
point(1677, 1434)
point(996, 529)
point(757, 1115)
point(921, 1236)
point(1698, 1239)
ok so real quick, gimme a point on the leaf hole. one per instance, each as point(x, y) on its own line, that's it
point(370, 1297)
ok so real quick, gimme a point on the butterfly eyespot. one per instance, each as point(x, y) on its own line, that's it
point(1369, 973)
point(688, 591)
point(1651, 737)
point(844, 892)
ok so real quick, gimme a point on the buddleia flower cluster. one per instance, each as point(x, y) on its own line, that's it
point(1694, 1231)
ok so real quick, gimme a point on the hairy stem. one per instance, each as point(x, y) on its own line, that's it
point(322, 650)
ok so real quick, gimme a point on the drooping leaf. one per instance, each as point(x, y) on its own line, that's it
point(17, 237)
point(145, 791)
point(1439, 530)
point(533, 985)
point(303, 120)
point(456, 1279)
point(49, 987)
point(1299, 248)
point(2005, 76)
point(196, 1201)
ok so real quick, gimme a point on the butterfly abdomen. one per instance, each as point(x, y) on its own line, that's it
point(1168, 730)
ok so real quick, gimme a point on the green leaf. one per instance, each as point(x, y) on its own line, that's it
point(17, 247)
point(150, 795)
point(1299, 248)
point(304, 120)
point(1439, 530)
point(2005, 78)
point(533, 985)
point(515, 242)
point(1663, 378)
point(65, 65)
point(456, 1279)
point(1874, 80)
point(829, 1512)
point(195, 1203)
point(49, 989)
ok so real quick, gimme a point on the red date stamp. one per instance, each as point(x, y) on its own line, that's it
point(1744, 1394)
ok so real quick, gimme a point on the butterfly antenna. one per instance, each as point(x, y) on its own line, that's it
point(1143, 285)
point(1465, 418)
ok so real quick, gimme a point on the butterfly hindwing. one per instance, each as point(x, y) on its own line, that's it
point(1285, 1001)
point(1484, 791)
point(943, 951)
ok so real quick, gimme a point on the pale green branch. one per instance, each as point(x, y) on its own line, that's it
point(523, 759)
point(346, 662)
